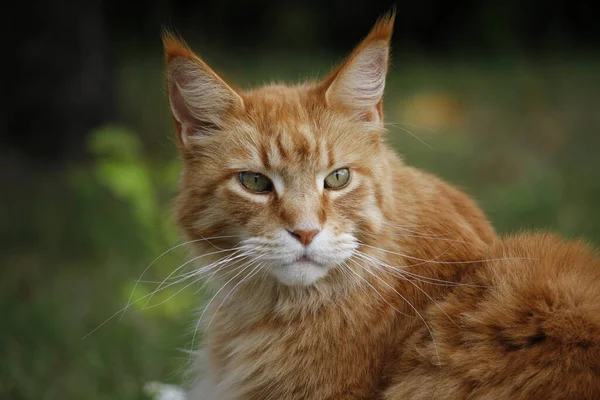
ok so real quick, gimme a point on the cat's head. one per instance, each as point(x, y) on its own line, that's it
point(292, 176)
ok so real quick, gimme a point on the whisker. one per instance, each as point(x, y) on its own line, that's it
point(244, 279)
point(131, 303)
point(373, 287)
point(165, 253)
point(252, 252)
point(225, 273)
point(406, 229)
point(185, 287)
point(146, 307)
point(445, 262)
point(208, 305)
point(425, 293)
point(199, 276)
point(422, 236)
point(412, 126)
point(407, 302)
point(147, 296)
point(413, 135)
point(346, 271)
point(194, 259)
point(401, 270)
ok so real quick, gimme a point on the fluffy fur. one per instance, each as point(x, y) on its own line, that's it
point(404, 292)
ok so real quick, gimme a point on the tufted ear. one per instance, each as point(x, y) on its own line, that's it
point(199, 98)
point(357, 84)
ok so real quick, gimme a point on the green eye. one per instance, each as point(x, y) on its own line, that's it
point(337, 179)
point(255, 182)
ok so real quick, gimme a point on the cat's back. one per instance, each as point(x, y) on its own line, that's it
point(529, 329)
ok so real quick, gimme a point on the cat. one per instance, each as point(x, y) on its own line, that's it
point(340, 272)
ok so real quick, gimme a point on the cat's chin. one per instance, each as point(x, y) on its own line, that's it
point(299, 273)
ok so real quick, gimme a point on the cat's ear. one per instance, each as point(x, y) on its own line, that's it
point(199, 98)
point(357, 84)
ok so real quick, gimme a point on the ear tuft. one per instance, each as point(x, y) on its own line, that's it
point(175, 46)
point(357, 85)
point(383, 28)
point(199, 98)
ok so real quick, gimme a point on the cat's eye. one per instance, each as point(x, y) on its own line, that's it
point(255, 182)
point(337, 179)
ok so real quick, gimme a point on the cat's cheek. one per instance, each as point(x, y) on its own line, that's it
point(242, 209)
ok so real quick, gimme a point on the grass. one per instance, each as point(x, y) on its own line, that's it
point(521, 137)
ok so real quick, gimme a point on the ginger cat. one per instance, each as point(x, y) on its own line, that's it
point(342, 273)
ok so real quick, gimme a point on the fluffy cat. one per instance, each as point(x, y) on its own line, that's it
point(343, 273)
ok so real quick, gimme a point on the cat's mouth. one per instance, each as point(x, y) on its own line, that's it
point(303, 271)
point(305, 260)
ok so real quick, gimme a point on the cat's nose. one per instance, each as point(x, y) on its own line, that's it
point(304, 237)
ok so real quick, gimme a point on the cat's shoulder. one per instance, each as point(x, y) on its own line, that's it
point(543, 262)
point(525, 325)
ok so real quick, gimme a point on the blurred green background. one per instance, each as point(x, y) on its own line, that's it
point(500, 98)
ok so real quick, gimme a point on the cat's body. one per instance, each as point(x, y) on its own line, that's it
point(261, 345)
point(398, 288)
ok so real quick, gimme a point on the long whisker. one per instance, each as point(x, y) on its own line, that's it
point(403, 271)
point(373, 287)
point(444, 262)
point(199, 276)
point(413, 135)
point(252, 251)
point(403, 267)
point(407, 302)
point(244, 279)
point(431, 236)
point(421, 290)
point(404, 228)
point(416, 235)
point(165, 253)
point(227, 273)
point(421, 234)
point(208, 305)
point(412, 126)
point(346, 270)
point(234, 250)
point(194, 281)
point(131, 303)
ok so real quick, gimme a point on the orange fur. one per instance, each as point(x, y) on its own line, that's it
point(430, 303)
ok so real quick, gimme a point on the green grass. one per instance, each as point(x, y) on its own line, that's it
point(521, 137)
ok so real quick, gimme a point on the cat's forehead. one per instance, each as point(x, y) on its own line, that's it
point(277, 106)
point(285, 127)
point(288, 129)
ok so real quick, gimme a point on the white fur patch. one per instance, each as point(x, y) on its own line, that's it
point(299, 274)
point(284, 252)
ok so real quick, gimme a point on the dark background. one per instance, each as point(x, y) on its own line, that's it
point(499, 97)
point(63, 56)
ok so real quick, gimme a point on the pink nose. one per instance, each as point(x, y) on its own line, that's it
point(304, 237)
